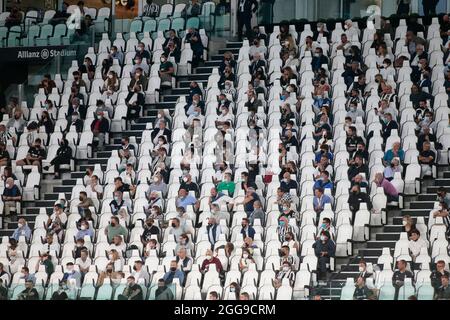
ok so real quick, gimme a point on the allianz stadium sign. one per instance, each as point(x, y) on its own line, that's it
point(35, 54)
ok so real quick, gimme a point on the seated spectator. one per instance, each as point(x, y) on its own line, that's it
point(247, 230)
point(29, 293)
point(94, 188)
point(34, 156)
point(61, 15)
point(443, 292)
point(135, 102)
point(17, 122)
point(387, 126)
point(258, 213)
point(250, 197)
point(443, 196)
point(61, 294)
point(14, 18)
point(399, 276)
point(437, 274)
point(11, 197)
point(193, 37)
point(63, 156)
point(283, 228)
point(324, 150)
point(427, 136)
point(325, 227)
point(22, 230)
point(213, 230)
point(100, 126)
point(416, 243)
point(427, 159)
point(323, 181)
point(85, 230)
point(88, 67)
point(356, 198)
point(166, 72)
point(226, 185)
point(393, 167)
point(139, 272)
point(46, 122)
point(362, 292)
point(245, 260)
point(287, 183)
point(257, 47)
point(119, 202)
point(408, 225)
point(184, 263)
point(184, 199)
point(173, 273)
point(142, 53)
point(140, 66)
point(115, 229)
point(151, 9)
point(132, 291)
point(192, 9)
point(389, 189)
point(114, 259)
point(322, 128)
point(363, 270)
point(324, 249)
point(357, 167)
point(76, 122)
point(319, 59)
point(72, 274)
point(395, 152)
point(45, 260)
point(352, 140)
point(7, 173)
point(320, 199)
point(163, 292)
point(210, 259)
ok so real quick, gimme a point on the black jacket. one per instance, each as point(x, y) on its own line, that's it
point(249, 7)
point(166, 133)
point(355, 199)
point(104, 125)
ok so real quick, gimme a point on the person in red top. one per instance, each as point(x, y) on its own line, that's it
point(99, 127)
point(210, 259)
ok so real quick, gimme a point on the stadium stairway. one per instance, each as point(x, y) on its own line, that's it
point(381, 237)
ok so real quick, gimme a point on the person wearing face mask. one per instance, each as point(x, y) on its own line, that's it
point(163, 292)
point(115, 229)
point(257, 63)
point(63, 157)
point(174, 273)
point(78, 82)
point(408, 225)
point(71, 273)
point(132, 291)
point(318, 59)
point(246, 260)
point(257, 48)
point(189, 185)
point(289, 240)
point(283, 227)
point(142, 53)
point(61, 293)
point(210, 259)
point(17, 122)
point(166, 71)
point(11, 197)
point(22, 230)
point(213, 230)
point(99, 127)
point(225, 115)
point(362, 292)
point(94, 187)
point(229, 91)
point(257, 213)
point(227, 184)
point(30, 293)
point(324, 249)
point(115, 260)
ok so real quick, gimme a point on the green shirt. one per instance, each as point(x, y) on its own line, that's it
point(116, 231)
point(49, 267)
point(229, 186)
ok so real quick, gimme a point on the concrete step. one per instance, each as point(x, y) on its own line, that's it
point(380, 244)
point(434, 189)
point(442, 182)
point(387, 236)
point(194, 77)
point(393, 228)
point(213, 63)
point(371, 252)
point(54, 196)
point(427, 197)
point(187, 83)
point(398, 220)
point(234, 44)
point(416, 212)
point(232, 50)
point(422, 205)
point(220, 56)
point(446, 174)
point(204, 70)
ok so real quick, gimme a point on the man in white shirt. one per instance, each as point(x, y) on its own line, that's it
point(257, 48)
point(118, 245)
point(58, 214)
point(223, 117)
point(350, 29)
point(416, 243)
point(139, 272)
point(83, 262)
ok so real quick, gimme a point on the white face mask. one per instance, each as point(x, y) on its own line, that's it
point(361, 269)
point(20, 225)
point(322, 238)
point(208, 257)
point(245, 256)
point(110, 76)
point(285, 268)
point(83, 227)
point(159, 116)
point(110, 256)
point(163, 60)
point(404, 222)
point(185, 179)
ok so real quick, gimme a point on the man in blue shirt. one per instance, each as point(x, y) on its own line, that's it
point(250, 197)
point(324, 181)
point(184, 200)
point(22, 230)
point(323, 151)
point(247, 230)
point(320, 200)
point(11, 195)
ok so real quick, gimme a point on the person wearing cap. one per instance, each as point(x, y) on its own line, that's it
point(100, 126)
point(133, 291)
point(30, 292)
point(324, 249)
